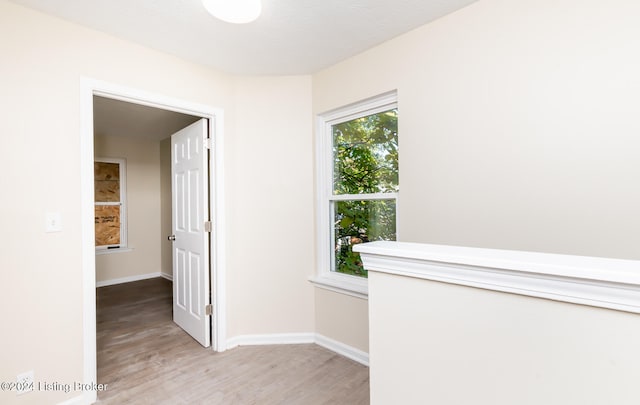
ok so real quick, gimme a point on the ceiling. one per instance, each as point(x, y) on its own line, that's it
point(120, 118)
point(291, 37)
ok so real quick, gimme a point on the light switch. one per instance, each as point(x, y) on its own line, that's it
point(53, 222)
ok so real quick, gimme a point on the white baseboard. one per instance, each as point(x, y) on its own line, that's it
point(127, 279)
point(300, 338)
point(343, 349)
point(271, 339)
point(167, 276)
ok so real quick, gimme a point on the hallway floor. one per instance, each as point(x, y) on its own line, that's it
point(145, 358)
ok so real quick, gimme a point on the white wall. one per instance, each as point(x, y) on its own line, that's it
point(517, 124)
point(143, 208)
point(43, 60)
point(271, 196)
point(437, 343)
point(342, 318)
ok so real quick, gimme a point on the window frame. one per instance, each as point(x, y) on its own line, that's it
point(326, 277)
point(123, 245)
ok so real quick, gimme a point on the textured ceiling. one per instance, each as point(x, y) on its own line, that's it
point(119, 118)
point(290, 37)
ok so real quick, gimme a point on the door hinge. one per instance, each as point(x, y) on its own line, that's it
point(208, 309)
point(207, 143)
point(208, 226)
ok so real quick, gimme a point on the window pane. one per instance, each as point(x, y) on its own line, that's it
point(106, 181)
point(107, 221)
point(365, 154)
point(357, 222)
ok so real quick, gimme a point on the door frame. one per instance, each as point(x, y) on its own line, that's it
point(91, 87)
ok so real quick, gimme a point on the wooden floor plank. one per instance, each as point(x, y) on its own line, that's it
point(146, 359)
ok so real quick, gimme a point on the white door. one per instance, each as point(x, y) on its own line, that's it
point(190, 211)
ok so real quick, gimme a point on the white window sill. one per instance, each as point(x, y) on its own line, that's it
point(344, 284)
point(110, 251)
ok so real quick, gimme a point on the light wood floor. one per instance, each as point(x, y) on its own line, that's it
point(146, 359)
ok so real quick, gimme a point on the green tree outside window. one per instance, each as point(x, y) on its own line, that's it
point(365, 167)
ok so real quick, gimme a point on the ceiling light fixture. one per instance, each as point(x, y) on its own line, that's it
point(234, 11)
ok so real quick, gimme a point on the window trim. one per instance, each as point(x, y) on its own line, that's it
point(326, 278)
point(123, 246)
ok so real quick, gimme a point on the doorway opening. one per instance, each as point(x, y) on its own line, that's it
point(105, 105)
point(136, 199)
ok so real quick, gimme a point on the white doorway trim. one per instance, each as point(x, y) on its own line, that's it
point(88, 88)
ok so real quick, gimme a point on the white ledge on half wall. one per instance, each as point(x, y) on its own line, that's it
point(595, 281)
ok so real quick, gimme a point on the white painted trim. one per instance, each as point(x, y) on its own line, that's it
point(167, 276)
point(325, 277)
point(300, 338)
point(112, 251)
point(343, 349)
point(595, 281)
point(88, 88)
point(364, 197)
point(90, 366)
point(371, 105)
point(342, 283)
point(270, 339)
point(218, 235)
point(128, 279)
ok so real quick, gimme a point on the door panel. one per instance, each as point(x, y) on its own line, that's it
point(190, 210)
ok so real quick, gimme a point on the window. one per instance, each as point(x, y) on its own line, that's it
point(357, 188)
point(110, 208)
